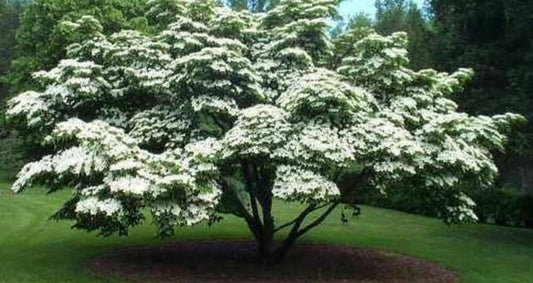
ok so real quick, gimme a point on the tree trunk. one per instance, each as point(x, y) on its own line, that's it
point(262, 226)
point(268, 245)
point(266, 248)
point(270, 253)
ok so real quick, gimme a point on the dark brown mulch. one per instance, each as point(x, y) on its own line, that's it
point(234, 261)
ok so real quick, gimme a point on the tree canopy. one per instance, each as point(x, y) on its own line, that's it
point(225, 112)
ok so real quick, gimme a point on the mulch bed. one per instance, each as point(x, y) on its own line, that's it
point(235, 261)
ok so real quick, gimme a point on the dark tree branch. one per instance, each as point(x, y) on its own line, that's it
point(250, 180)
point(285, 225)
point(296, 232)
point(289, 241)
point(319, 219)
point(265, 199)
point(255, 209)
point(306, 212)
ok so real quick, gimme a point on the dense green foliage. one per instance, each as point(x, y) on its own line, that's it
point(37, 250)
point(495, 38)
point(9, 22)
point(494, 206)
point(10, 12)
point(504, 207)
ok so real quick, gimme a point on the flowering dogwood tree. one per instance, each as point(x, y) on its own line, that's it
point(227, 112)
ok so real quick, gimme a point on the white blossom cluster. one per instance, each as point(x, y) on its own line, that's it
point(259, 130)
point(291, 22)
point(293, 183)
point(323, 93)
point(463, 211)
point(162, 126)
point(161, 121)
point(94, 206)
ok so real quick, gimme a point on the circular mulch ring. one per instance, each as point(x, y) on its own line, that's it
point(235, 261)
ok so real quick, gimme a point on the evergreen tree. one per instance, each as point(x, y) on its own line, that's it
point(360, 20)
point(10, 12)
point(419, 34)
point(390, 16)
point(238, 4)
point(253, 5)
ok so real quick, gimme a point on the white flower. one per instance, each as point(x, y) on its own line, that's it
point(129, 185)
point(293, 183)
point(259, 130)
point(94, 206)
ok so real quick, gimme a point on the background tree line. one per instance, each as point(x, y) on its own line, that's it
point(10, 12)
point(494, 37)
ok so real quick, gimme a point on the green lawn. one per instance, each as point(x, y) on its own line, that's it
point(33, 249)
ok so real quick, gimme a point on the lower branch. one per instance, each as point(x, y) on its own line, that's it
point(255, 210)
point(300, 217)
point(319, 220)
point(296, 232)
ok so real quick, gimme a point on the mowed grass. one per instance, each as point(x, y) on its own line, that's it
point(35, 249)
